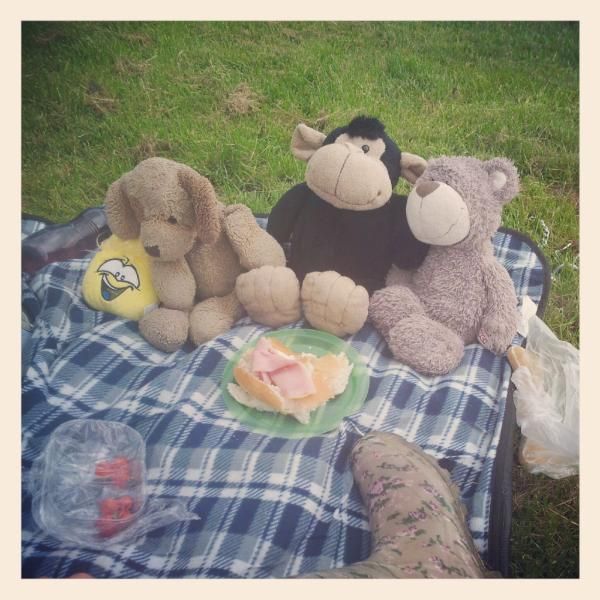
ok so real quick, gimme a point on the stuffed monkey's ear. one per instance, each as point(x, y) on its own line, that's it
point(119, 214)
point(504, 178)
point(206, 206)
point(306, 141)
point(412, 166)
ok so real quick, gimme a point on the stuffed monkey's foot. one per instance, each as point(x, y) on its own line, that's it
point(334, 303)
point(214, 316)
point(165, 328)
point(270, 295)
point(425, 345)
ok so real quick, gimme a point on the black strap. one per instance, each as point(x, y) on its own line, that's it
point(498, 556)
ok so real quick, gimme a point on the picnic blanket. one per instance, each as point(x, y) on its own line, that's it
point(267, 506)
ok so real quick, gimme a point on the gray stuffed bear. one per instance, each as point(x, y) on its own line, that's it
point(460, 294)
point(197, 246)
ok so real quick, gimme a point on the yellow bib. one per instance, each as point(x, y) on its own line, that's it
point(118, 279)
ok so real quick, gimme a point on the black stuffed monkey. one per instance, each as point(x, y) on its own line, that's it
point(345, 228)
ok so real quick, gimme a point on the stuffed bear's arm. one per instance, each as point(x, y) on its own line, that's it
point(174, 284)
point(285, 212)
point(500, 316)
point(252, 244)
point(407, 251)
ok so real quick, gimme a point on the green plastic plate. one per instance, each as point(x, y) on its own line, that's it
point(324, 419)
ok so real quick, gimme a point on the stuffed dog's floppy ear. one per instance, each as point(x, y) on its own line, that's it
point(120, 216)
point(306, 141)
point(504, 178)
point(206, 206)
point(412, 166)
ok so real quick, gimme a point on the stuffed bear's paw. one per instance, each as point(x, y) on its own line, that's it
point(334, 303)
point(213, 316)
point(391, 304)
point(270, 295)
point(425, 345)
point(495, 337)
point(165, 328)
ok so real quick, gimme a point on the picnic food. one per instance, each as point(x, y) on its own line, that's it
point(88, 486)
point(271, 377)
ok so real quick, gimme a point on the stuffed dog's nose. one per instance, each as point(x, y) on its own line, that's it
point(426, 187)
point(152, 250)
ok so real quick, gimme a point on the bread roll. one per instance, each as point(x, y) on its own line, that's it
point(329, 374)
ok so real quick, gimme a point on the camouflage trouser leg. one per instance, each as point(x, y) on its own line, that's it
point(416, 515)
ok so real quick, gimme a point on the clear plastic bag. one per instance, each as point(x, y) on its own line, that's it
point(546, 378)
point(88, 486)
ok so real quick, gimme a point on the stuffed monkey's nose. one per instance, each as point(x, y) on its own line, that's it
point(426, 187)
point(152, 250)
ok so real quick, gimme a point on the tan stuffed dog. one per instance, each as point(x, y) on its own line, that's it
point(198, 248)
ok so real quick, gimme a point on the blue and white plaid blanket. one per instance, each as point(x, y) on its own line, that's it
point(268, 506)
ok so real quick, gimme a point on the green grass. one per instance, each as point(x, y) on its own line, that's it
point(225, 98)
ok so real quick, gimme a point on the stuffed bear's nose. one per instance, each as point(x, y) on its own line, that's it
point(426, 187)
point(152, 250)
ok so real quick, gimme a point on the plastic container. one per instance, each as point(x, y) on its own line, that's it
point(88, 486)
point(61, 242)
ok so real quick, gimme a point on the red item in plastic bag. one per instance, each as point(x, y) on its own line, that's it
point(118, 470)
point(115, 515)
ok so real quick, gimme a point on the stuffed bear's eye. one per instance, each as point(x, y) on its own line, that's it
point(365, 148)
point(172, 220)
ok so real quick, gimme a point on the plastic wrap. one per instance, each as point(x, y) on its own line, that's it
point(546, 378)
point(89, 486)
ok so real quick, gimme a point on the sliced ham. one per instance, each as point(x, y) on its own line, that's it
point(289, 374)
point(293, 381)
point(266, 358)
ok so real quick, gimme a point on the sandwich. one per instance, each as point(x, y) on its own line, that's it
point(271, 377)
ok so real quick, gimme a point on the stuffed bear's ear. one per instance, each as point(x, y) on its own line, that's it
point(504, 178)
point(412, 166)
point(119, 214)
point(306, 141)
point(205, 203)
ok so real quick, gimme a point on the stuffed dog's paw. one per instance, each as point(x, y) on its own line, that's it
point(253, 245)
point(214, 316)
point(165, 328)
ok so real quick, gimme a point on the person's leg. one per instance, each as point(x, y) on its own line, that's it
point(416, 515)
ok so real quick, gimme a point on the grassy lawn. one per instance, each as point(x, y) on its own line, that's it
point(225, 98)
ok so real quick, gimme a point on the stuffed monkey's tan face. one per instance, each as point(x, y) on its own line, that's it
point(349, 173)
